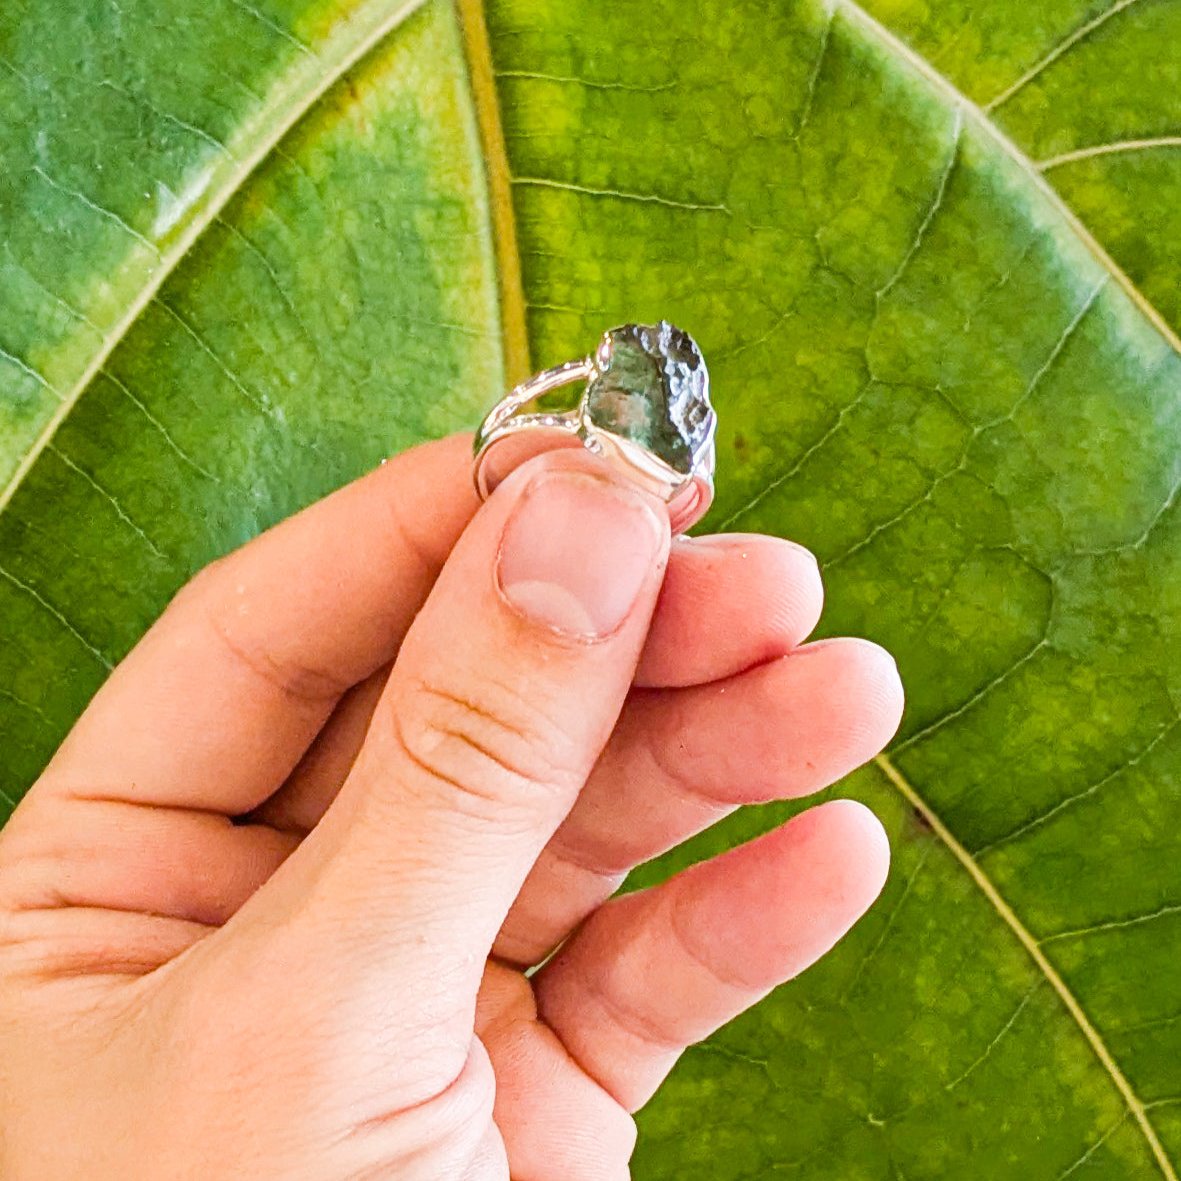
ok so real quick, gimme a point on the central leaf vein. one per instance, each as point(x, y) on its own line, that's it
point(1135, 1106)
point(290, 99)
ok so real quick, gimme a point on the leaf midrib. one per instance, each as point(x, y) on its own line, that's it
point(486, 102)
point(295, 92)
point(1025, 937)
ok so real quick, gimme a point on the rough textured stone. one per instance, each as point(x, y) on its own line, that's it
point(653, 388)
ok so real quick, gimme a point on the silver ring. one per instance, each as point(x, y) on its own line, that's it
point(645, 410)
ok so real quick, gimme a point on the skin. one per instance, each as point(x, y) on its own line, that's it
point(267, 912)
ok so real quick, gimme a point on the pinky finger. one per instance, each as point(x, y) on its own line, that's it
point(653, 972)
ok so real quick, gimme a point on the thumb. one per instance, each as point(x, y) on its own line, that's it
point(506, 688)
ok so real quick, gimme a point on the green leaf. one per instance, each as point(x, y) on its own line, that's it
point(211, 320)
point(1092, 94)
point(246, 251)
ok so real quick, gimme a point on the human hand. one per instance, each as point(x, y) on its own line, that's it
point(267, 912)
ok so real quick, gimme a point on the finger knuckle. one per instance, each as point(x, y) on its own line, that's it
point(219, 607)
point(492, 749)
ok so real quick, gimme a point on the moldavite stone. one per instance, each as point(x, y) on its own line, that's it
point(652, 387)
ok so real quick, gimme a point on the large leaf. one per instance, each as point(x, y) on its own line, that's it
point(248, 250)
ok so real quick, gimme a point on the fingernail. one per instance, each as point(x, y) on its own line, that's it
point(732, 542)
point(577, 552)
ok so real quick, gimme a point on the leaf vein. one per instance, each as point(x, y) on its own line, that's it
point(1060, 50)
point(1139, 920)
point(619, 194)
point(993, 683)
point(814, 75)
point(888, 926)
point(590, 84)
point(142, 101)
point(28, 369)
point(256, 252)
point(934, 208)
point(486, 103)
point(986, 126)
point(208, 350)
point(172, 443)
point(1119, 147)
point(51, 610)
point(833, 427)
point(277, 29)
point(911, 506)
point(1056, 352)
point(1086, 793)
point(65, 305)
point(107, 214)
point(985, 884)
point(24, 704)
point(108, 497)
point(1094, 1148)
point(986, 1053)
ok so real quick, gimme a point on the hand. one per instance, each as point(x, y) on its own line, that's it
point(267, 912)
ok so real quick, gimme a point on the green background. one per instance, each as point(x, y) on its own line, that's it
point(248, 249)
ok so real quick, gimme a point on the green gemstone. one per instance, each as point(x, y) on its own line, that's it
point(652, 388)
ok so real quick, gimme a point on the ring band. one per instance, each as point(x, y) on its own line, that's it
point(645, 410)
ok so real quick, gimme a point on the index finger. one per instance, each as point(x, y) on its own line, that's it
point(217, 703)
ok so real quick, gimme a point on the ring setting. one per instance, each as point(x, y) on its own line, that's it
point(645, 409)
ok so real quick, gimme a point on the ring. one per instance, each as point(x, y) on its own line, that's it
point(645, 410)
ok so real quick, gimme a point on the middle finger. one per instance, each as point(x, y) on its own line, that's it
point(680, 760)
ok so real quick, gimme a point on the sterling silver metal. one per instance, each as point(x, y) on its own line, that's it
point(508, 438)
